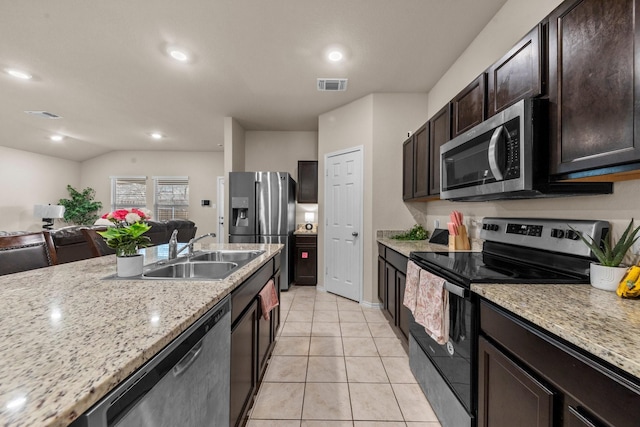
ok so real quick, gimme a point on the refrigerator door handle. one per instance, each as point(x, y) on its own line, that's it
point(256, 214)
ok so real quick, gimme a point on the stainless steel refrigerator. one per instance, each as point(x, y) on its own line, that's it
point(262, 209)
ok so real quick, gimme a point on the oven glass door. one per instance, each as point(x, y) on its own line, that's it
point(454, 360)
point(490, 157)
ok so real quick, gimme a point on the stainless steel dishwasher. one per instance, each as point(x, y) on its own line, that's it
point(186, 384)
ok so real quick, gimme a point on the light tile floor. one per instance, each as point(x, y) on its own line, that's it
point(337, 364)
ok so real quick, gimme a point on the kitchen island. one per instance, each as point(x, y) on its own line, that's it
point(68, 337)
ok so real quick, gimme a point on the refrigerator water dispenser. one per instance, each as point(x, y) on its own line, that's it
point(240, 211)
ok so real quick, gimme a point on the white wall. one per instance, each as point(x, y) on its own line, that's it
point(278, 151)
point(202, 168)
point(234, 150)
point(379, 123)
point(345, 127)
point(29, 179)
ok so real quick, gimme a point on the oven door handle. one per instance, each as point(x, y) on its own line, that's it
point(456, 290)
point(493, 153)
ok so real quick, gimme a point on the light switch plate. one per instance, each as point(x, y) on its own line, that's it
point(436, 223)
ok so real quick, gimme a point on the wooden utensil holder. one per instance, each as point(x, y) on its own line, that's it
point(461, 241)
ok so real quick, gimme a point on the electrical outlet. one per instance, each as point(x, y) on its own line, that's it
point(436, 223)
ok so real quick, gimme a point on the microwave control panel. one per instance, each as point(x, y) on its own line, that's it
point(512, 148)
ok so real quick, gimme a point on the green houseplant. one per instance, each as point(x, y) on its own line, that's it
point(418, 232)
point(80, 209)
point(608, 273)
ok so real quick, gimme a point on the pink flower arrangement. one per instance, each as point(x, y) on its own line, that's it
point(128, 216)
point(126, 236)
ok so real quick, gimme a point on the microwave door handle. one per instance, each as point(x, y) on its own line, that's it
point(493, 153)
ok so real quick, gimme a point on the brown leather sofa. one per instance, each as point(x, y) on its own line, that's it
point(71, 245)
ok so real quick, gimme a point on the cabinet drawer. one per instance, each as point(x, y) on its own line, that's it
point(397, 260)
point(306, 240)
point(241, 297)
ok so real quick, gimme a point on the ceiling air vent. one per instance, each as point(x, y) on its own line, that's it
point(44, 114)
point(332, 85)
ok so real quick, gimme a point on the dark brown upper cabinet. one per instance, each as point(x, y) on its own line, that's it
point(415, 163)
point(407, 169)
point(469, 106)
point(594, 82)
point(307, 181)
point(518, 74)
point(440, 133)
point(421, 162)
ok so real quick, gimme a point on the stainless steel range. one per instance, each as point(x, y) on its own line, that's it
point(516, 250)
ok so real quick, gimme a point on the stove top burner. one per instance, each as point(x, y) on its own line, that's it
point(478, 267)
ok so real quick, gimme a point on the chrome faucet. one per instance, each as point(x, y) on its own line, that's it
point(190, 244)
point(173, 245)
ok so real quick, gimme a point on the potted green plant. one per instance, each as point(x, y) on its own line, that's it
point(608, 272)
point(81, 209)
point(126, 236)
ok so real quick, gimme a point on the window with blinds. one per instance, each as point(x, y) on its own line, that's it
point(171, 197)
point(128, 192)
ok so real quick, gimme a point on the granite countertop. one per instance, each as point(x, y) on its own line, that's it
point(303, 231)
point(405, 247)
point(67, 337)
point(597, 321)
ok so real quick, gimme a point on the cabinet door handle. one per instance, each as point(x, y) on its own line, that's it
point(583, 418)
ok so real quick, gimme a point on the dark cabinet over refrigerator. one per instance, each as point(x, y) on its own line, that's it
point(262, 209)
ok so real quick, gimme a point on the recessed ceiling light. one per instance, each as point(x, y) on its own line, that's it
point(56, 138)
point(178, 55)
point(156, 135)
point(19, 74)
point(335, 56)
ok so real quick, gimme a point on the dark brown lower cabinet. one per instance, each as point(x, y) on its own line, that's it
point(507, 394)
point(267, 330)
point(306, 265)
point(403, 312)
point(244, 351)
point(392, 269)
point(252, 340)
point(390, 306)
point(382, 282)
point(527, 377)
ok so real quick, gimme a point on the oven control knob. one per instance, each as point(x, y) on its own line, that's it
point(557, 233)
point(485, 226)
point(493, 227)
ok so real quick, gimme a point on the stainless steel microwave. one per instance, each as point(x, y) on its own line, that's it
point(506, 157)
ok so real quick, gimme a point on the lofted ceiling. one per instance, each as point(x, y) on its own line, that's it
point(103, 66)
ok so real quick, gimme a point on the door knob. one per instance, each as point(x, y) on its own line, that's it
point(354, 234)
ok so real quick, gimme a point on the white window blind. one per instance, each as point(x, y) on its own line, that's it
point(128, 192)
point(171, 197)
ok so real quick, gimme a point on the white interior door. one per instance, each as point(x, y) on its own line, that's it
point(343, 202)
point(221, 211)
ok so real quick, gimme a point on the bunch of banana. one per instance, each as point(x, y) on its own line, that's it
point(629, 286)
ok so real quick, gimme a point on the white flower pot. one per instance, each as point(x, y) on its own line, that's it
point(606, 278)
point(129, 266)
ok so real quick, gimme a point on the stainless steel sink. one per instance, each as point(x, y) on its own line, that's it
point(226, 255)
point(192, 270)
point(214, 265)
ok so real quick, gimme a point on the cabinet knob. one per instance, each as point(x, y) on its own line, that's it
point(354, 234)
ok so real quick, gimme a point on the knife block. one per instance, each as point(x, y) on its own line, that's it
point(459, 242)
